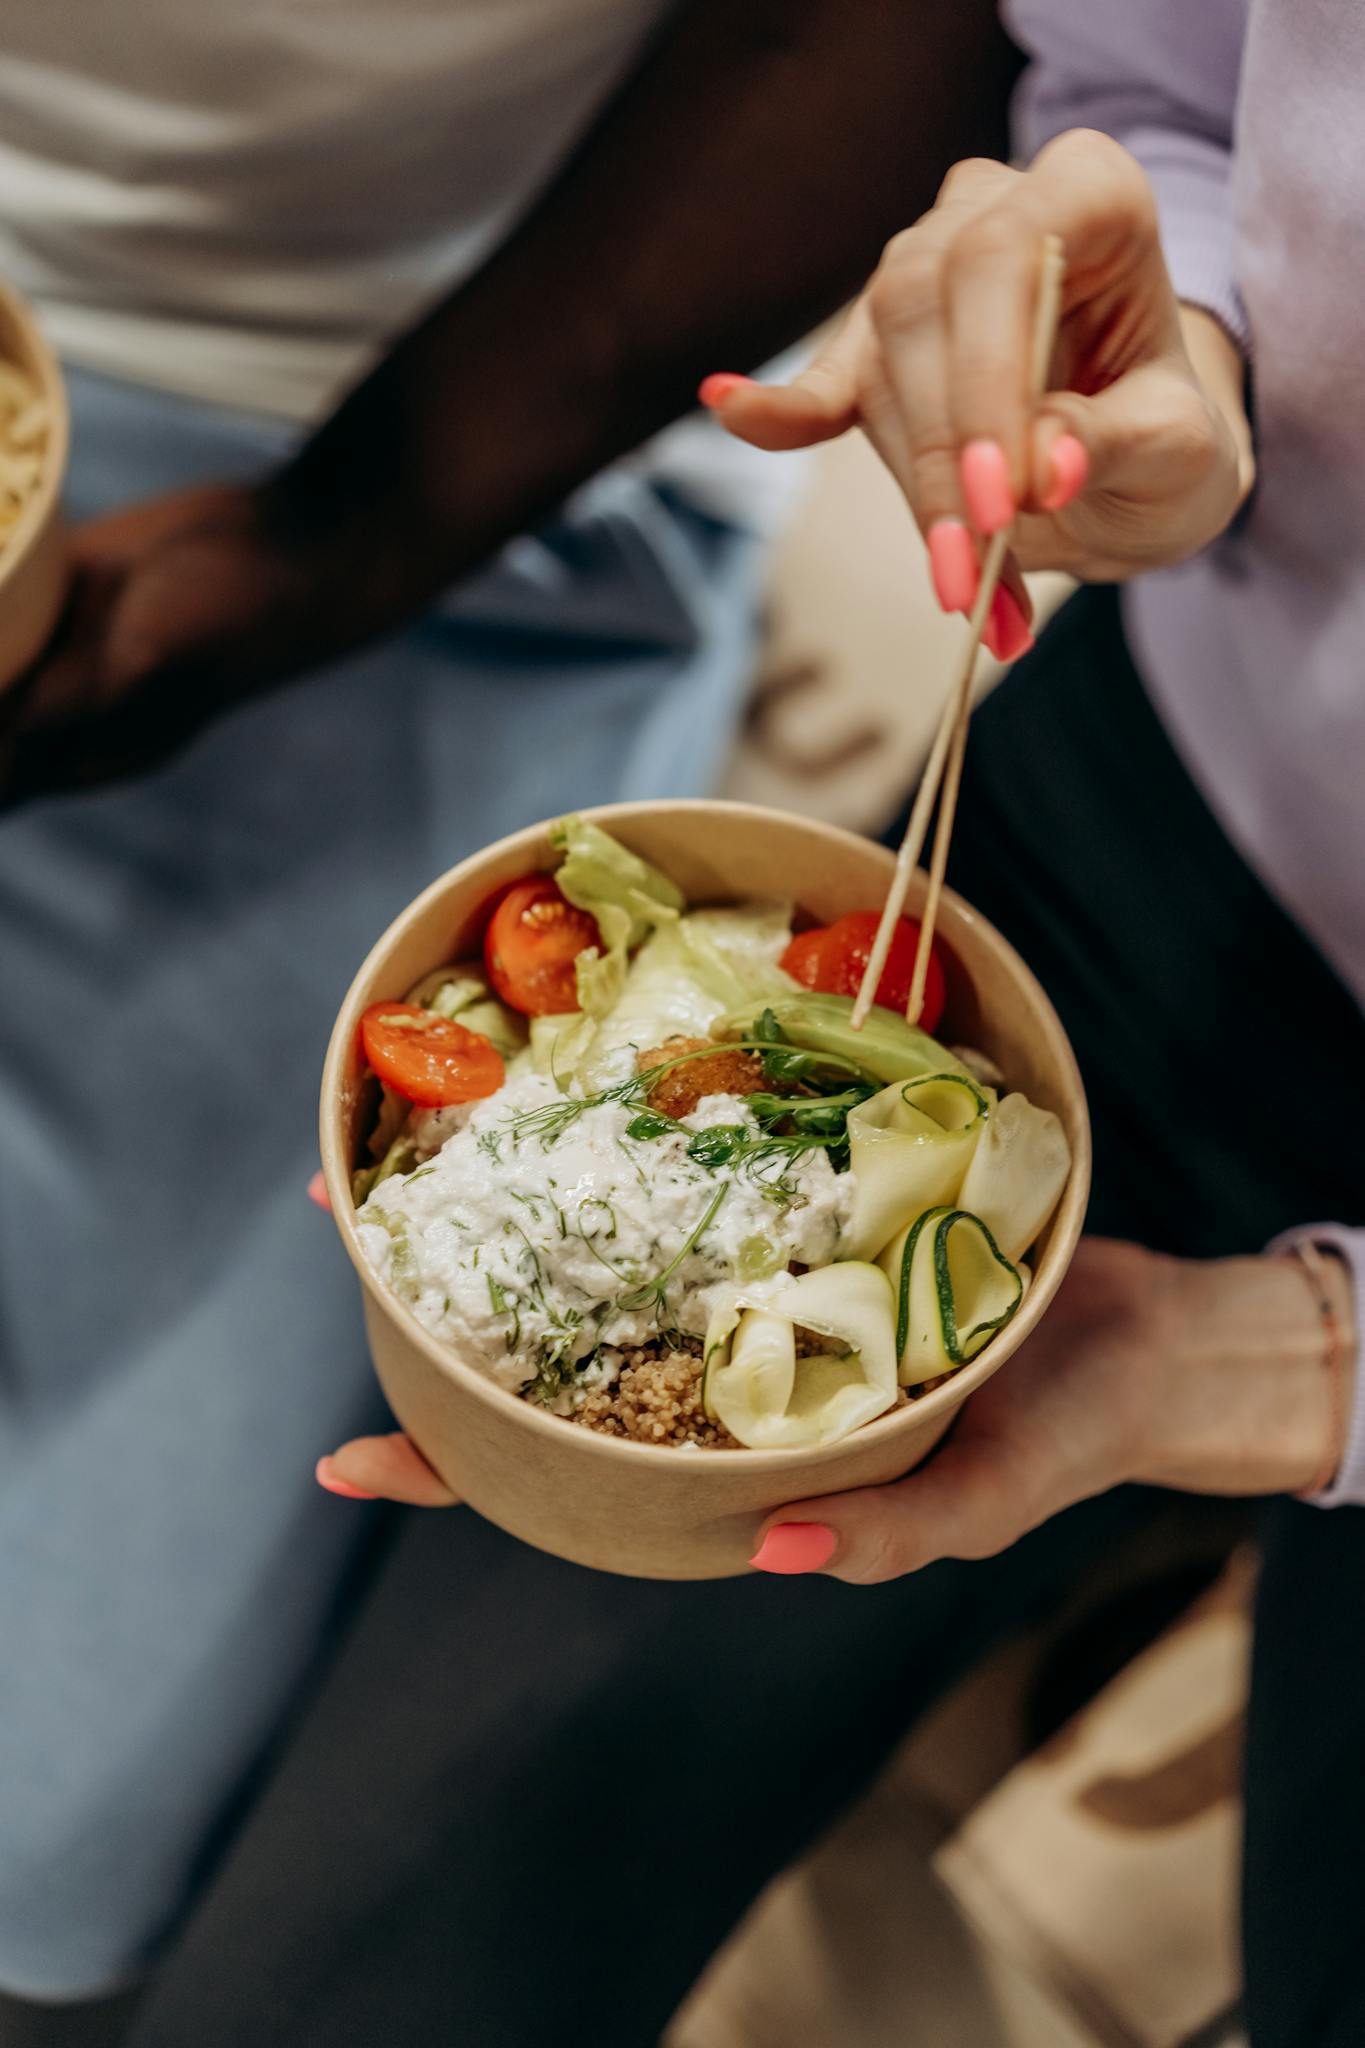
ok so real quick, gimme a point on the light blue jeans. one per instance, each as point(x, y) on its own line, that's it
point(179, 1332)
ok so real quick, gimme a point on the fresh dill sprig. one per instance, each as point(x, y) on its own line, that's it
point(805, 1117)
point(548, 1121)
point(504, 1304)
point(782, 1062)
point(556, 1369)
point(585, 1238)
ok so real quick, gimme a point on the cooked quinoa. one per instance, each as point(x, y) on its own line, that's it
point(656, 1396)
point(656, 1399)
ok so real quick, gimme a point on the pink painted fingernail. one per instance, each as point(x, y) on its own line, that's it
point(1070, 466)
point(952, 565)
point(1007, 632)
point(317, 1191)
point(332, 1482)
point(795, 1547)
point(715, 389)
point(986, 486)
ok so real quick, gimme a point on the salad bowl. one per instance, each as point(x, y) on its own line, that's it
point(608, 1502)
point(33, 560)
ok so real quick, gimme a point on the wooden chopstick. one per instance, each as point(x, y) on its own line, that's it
point(944, 766)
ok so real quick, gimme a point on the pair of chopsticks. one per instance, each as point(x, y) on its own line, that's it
point(943, 770)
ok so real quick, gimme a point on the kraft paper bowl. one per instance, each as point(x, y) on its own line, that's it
point(620, 1506)
point(33, 560)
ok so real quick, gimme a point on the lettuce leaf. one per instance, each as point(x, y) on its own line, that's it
point(557, 1046)
point(689, 973)
point(462, 992)
point(627, 896)
point(738, 947)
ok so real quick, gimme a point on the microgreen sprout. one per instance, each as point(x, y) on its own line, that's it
point(653, 1294)
point(782, 1062)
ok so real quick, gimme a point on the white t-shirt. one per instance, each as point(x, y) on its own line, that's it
point(245, 200)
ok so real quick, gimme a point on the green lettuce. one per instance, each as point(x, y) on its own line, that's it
point(627, 896)
point(463, 993)
point(557, 1047)
point(689, 973)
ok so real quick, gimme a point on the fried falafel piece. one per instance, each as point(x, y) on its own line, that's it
point(724, 1071)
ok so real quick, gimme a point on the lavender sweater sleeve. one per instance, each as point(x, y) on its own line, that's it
point(1348, 1487)
point(1161, 77)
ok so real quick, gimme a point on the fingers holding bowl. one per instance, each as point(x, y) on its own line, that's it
point(383, 1468)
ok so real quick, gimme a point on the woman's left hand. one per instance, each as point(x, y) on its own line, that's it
point(1203, 1375)
point(384, 1468)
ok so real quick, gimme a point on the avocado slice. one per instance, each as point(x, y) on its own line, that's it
point(887, 1047)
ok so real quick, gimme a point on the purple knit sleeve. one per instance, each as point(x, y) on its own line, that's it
point(1160, 77)
point(1348, 1488)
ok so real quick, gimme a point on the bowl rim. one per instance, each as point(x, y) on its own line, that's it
point(908, 1418)
point(42, 364)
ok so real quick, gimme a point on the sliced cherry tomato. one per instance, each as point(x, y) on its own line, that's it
point(833, 959)
point(534, 938)
point(804, 957)
point(845, 959)
point(428, 1058)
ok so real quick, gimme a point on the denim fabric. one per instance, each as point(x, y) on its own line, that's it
point(179, 1334)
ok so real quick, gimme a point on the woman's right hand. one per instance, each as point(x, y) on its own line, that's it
point(1138, 455)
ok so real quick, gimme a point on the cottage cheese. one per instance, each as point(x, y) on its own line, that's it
point(537, 1254)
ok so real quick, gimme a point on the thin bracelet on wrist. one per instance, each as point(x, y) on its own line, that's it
point(1312, 1263)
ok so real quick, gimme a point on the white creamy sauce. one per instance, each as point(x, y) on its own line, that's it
point(526, 1251)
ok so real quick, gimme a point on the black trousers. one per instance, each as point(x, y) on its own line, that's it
point(529, 1801)
point(1190, 998)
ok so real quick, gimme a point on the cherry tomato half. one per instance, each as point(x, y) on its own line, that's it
point(804, 958)
point(534, 938)
point(428, 1058)
point(833, 960)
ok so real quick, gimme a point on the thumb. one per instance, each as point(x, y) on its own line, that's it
point(383, 1468)
point(963, 1503)
point(1077, 442)
point(1149, 435)
point(1141, 474)
point(818, 405)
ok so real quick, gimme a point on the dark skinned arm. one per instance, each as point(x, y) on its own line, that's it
point(736, 189)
